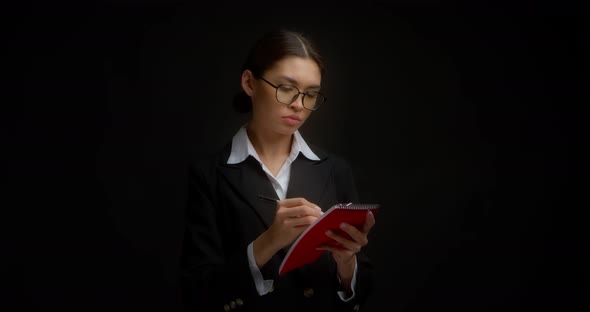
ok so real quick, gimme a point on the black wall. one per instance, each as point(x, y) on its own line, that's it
point(463, 121)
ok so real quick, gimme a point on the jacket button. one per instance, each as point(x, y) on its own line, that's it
point(356, 307)
point(232, 304)
point(308, 292)
point(226, 308)
point(239, 302)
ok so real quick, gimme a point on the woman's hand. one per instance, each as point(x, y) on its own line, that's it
point(293, 216)
point(344, 254)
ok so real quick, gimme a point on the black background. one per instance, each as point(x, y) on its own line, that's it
point(463, 120)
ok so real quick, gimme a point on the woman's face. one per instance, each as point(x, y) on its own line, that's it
point(270, 114)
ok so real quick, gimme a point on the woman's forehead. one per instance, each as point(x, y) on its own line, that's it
point(297, 70)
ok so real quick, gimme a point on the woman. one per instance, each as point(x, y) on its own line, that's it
point(235, 242)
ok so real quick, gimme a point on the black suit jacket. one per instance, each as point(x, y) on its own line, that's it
point(224, 216)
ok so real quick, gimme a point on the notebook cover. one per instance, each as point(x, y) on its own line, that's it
point(303, 250)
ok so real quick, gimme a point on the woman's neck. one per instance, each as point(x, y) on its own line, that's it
point(269, 145)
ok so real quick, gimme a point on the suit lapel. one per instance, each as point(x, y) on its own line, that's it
point(249, 180)
point(308, 178)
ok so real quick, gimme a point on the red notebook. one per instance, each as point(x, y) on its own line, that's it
point(303, 250)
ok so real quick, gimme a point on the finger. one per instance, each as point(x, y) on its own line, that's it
point(298, 201)
point(355, 234)
point(345, 242)
point(300, 221)
point(369, 223)
point(332, 249)
point(337, 251)
point(299, 211)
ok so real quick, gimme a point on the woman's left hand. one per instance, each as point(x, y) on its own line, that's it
point(344, 254)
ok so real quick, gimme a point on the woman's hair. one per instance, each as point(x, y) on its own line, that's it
point(269, 49)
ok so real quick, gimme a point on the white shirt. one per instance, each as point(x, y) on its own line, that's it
point(241, 148)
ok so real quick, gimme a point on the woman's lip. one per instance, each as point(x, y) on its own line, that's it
point(292, 120)
point(293, 117)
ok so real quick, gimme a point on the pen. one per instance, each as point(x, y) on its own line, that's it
point(274, 200)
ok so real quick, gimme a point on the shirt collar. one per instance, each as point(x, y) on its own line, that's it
point(242, 147)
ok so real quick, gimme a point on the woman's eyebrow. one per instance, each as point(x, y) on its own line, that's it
point(293, 81)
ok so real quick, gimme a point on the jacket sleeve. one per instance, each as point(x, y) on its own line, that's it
point(213, 276)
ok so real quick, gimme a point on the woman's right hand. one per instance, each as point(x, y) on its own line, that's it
point(293, 216)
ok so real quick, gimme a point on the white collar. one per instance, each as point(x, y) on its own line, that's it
point(241, 148)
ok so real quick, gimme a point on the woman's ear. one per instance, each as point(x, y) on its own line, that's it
point(248, 82)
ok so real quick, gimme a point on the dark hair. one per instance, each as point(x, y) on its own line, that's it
point(269, 49)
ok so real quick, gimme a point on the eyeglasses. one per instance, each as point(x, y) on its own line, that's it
point(288, 94)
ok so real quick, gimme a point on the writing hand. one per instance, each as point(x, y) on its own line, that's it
point(292, 216)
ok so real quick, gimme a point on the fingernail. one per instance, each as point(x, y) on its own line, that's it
point(329, 232)
point(342, 225)
point(318, 207)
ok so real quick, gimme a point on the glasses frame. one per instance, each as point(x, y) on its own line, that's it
point(295, 97)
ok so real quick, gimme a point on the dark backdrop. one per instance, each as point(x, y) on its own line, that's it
point(463, 121)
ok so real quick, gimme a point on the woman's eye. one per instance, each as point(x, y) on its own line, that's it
point(287, 88)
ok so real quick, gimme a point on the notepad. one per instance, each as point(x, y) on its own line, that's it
point(303, 251)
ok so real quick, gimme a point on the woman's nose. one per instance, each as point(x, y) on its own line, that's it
point(298, 103)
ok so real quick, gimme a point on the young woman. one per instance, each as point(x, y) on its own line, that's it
point(234, 241)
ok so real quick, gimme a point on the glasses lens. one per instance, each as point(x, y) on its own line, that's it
point(287, 94)
point(313, 100)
